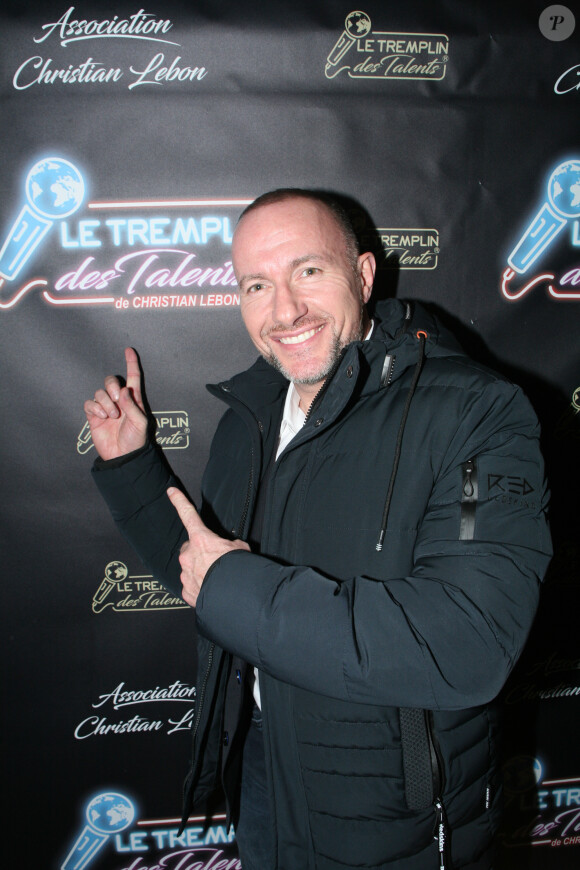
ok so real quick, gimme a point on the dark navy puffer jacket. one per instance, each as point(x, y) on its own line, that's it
point(378, 664)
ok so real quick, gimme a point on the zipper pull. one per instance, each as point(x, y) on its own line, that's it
point(441, 835)
point(387, 372)
point(469, 496)
point(468, 488)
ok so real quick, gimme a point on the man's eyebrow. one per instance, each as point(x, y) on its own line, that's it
point(244, 279)
point(306, 258)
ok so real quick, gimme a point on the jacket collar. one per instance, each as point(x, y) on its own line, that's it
point(365, 366)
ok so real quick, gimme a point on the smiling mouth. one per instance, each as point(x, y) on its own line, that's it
point(298, 339)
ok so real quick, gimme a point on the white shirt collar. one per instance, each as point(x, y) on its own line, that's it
point(292, 419)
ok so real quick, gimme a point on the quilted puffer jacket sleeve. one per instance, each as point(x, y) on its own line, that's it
point(444, 637)
point(134, 488)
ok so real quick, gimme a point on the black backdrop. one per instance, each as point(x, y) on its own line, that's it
point(132, 136)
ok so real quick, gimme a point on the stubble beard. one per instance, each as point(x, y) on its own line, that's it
point(327, 366)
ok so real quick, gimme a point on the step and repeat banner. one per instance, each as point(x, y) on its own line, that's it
point(133, 134)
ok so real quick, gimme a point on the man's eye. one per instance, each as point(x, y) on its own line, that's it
point(310, 270)
point(253, 288)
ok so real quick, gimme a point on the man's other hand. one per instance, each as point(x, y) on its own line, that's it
point(117, 415)
point(201, 550)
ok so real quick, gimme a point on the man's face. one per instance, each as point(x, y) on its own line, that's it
point(301, 299)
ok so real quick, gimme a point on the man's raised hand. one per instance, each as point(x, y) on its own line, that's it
point(201, 549)
point(117, 415)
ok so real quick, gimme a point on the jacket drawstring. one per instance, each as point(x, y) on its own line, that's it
point(422, 336)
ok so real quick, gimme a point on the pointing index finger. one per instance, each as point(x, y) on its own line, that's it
point(133, 373)
point(186, 511)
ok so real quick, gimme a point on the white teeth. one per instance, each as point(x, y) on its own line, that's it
point(298, 339)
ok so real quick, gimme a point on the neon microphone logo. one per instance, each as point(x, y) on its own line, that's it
point(107, 814)
point(561, 205)
point(54, 189)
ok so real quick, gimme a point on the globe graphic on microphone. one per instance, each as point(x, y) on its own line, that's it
point(357, 24)
point(564, 189)
point(110, 813)
point(54, 188)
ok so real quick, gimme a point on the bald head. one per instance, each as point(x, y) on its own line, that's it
point(332, 205)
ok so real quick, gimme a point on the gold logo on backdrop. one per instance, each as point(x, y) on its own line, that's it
point(415, 248)
point(132, 593)
point(364, 53)
point(171, 432)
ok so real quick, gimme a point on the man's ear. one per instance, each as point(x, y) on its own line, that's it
point(367, 267)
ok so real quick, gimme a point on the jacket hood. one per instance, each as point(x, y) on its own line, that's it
point(397, 323)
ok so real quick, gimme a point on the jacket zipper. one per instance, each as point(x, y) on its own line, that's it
point(318, 397)
point(238, 533)
point(441, 827)
point(203, 688)
point(436, 761)
point(199, 705)
point(441, 836)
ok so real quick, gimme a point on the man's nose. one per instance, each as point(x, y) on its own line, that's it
point(288, 304)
